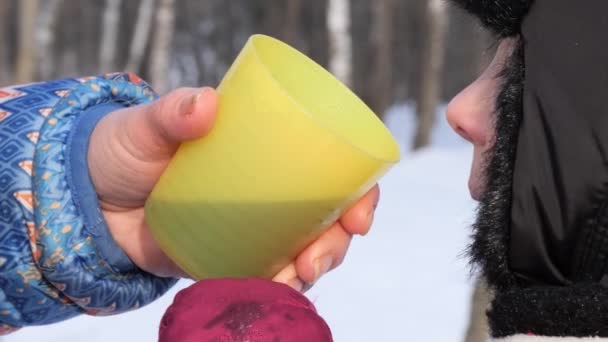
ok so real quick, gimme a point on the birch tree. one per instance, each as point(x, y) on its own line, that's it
point(432, 67)
point(45, 37)
point(109, 35)
point(292, 21)
point(161, 45)
point(314, 36)
point(340, 40)
point(141, 35)
point(5, 75)
point(477, 330)
point(26, 50)
point(382, 37)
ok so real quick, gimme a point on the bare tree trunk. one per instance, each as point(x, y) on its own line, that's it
point(292, 21)
point(203, 60)
point(477, 330)
point(45, 37)
point(273, 17)
point(26, 53)
point(141, 35)
point(361, 19)
point(85, 43)
point(161, 45)
point(407, 40)
point(340, 40)
point(5, 74)
point(315, 36)
point(382, 37)
point(433, 60)
point(109, 35)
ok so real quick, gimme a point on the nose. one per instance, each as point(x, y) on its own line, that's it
point(469, 112)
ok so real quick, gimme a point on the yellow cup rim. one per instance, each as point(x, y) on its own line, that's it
point(394, 156)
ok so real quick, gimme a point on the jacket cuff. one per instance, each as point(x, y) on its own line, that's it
point(579, 310)
point(72, 247)
point(531, 338)
point(83, 191)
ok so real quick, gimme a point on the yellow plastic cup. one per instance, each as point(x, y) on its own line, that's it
point(291, 149)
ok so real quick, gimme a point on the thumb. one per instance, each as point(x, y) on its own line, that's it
point(130, 148)
point(155, 131)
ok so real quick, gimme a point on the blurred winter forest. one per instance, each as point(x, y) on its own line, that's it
point(388, 51)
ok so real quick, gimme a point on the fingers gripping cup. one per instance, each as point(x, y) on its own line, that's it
point(291, 149)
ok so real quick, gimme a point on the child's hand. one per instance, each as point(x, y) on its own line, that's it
point(129, 150)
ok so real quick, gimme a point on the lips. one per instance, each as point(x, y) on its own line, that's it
point(253, 310)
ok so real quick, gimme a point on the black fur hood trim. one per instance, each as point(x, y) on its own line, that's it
point(491, 229)
point(502, 17)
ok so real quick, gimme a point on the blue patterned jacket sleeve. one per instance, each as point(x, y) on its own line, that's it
point(57, 258)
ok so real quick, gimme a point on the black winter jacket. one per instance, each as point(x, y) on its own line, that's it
point(541, 236)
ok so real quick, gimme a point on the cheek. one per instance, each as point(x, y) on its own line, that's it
point(478, 166)
point(475, 177)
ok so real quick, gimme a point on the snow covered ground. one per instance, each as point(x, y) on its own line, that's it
point(406, 281)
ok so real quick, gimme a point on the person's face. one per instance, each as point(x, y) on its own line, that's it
point(470, 114)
